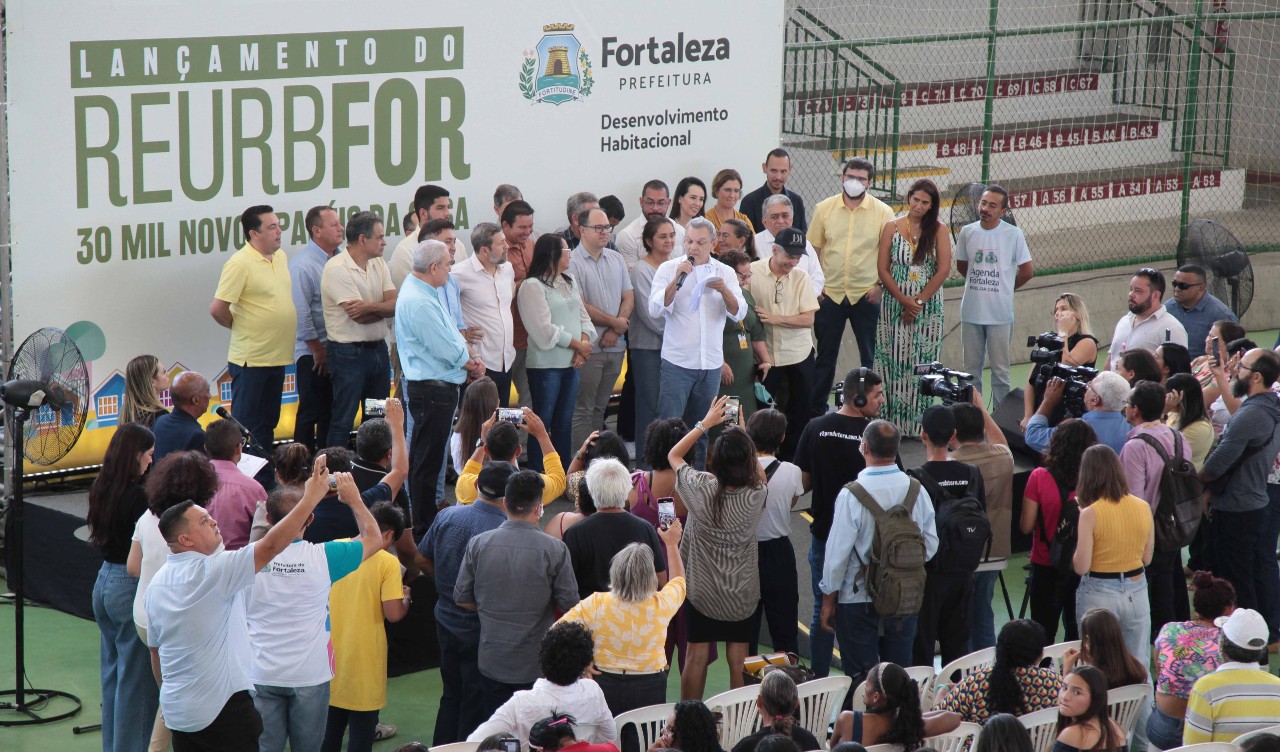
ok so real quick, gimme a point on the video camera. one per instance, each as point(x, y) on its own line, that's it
point(949, 385)
point(1077, 378)
point(1047, 348)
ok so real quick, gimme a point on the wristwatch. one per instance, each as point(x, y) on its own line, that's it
point(700, 427)
point(919, 302)
point(479, 443)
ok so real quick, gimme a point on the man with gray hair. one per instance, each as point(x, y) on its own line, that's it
point(358, 298)
point(436, 361)
point(486, 287)
point(503, 195)
point(574, 207)
point(593, 542)
point(694, 294)
point(865, 637)
point(777, 214)
point(1103, 398)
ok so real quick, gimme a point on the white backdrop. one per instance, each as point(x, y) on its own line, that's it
point(139, 131)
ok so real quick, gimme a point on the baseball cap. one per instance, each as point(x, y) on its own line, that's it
point(1244, 628)
point(492, 482)
point(791, 240)
point(938, 420)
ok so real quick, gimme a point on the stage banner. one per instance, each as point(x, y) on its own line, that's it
point(139, 130)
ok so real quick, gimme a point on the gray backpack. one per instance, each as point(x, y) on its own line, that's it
point(895, 575)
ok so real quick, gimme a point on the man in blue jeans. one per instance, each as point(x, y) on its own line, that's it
point(358, 298)
point(847, 610)
point(694, 294)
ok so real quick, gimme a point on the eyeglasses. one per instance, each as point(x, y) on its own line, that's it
point(1185, 285)
point(1243, 367)
point(777, 292)
point(649, 203)
point(598, 228)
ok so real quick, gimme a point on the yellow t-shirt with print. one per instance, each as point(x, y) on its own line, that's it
point(630, 636)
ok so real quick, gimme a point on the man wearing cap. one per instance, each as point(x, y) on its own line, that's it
point(948, 594)
point(779, 214)
point(1240, 695)
point(502, 443)
point(785, 304)
point(458, 629)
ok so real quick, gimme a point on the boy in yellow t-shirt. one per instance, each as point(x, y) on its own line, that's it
point(357, 605)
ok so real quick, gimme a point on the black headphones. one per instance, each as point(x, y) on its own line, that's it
point(860, 399)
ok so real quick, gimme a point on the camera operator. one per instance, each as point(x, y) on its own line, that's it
point(1072, 343)
point(1103, 398)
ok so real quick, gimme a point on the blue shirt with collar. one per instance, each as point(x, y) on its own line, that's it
point(1111, 427)
point(453, 301)
point(305, 269)
point(177, 432)
point(427, 338)
point(445, 544)
point(1199, 320)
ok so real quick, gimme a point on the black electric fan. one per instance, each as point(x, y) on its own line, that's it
point(964, 208)
point(1230, 272)
point(46, 392)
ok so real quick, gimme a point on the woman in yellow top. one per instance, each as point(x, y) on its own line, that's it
point(1185, 412)
point(726, 189)
point(1116, 536)
point(629, 623)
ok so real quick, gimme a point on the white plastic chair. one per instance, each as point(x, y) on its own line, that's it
point(1208, 747)
point(1056, 652)
point(739, 717)
point(859, 696)
point(884, 748)
point(925, 677)
point(819, 700)
point(1125, 704)
point(1043, 727)
point(954, 672)
point(457, 747)
point(1239, 740)
point(955, 741)
point(647, 720)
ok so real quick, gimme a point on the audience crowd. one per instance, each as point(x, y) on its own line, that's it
point(242, 613)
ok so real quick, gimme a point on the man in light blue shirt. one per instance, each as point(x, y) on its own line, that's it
point(315, 391)
point(1195, 307)
point(846, 605)
point(436, 361)
point(1103, 399)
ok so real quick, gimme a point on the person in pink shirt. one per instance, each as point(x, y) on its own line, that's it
point(238, 494)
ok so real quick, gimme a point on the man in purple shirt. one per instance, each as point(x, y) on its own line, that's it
point(238, 495)
point(1143, 468)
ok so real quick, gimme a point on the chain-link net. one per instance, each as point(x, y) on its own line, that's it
point(1113, 123)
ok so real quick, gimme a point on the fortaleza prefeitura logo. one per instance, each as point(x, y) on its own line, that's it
point(559, 70)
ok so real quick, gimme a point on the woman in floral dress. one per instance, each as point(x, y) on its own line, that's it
point(914, 261)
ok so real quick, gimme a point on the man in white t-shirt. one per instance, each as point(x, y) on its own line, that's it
point(779, 588)
point(197, 627)
point(992, 256)
point(1148, 324)
point(289, 622)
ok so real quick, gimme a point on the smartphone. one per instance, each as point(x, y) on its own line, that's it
point(509, 744)
point(333, 482)
point(666, 511)
point(1213, 351)
point(375, 408)
point(731, 409)
point(511, 415)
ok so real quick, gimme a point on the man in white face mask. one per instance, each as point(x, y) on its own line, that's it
point(846, 233)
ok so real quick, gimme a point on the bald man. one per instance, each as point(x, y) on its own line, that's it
point(180, 430)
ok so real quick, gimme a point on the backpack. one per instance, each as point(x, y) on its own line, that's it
point(964, 532)
point(1180, 509)
point(1062, 549)
point(895, 574)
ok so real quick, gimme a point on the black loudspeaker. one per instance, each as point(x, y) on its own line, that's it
point(1007, 415)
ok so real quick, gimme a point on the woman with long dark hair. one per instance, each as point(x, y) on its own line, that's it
point(777, 704)
point(1186, 411)
point(116, 500)
point(719, 546)
point(736, 235)
point(560, 334)
point(1050, 492)
point(893, 714)
point(1138, 365)
point(1102, 646)
point(738, 373)
point(1114, 543)
point(1014, 684)
point(1172, 359)
point(1003, 733)
point(691, 727)
point(556, 733)
point(644, 336)
point(914, 261)
point(690, 198)
point(1084, 721)
point(478, 404)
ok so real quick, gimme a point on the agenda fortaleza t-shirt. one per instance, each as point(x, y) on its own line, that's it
point(994, 257)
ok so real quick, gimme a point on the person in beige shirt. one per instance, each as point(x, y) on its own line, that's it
point(486, 288)
point(358, 298)
point(785, 304)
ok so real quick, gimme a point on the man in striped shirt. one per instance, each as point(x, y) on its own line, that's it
point(1239, 696)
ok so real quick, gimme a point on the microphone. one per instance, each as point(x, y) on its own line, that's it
point(225, 415)
point(680, 279)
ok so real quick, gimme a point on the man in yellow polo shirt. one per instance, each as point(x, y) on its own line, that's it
point(846, 233)
point(254, 300)
point(786, 304)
